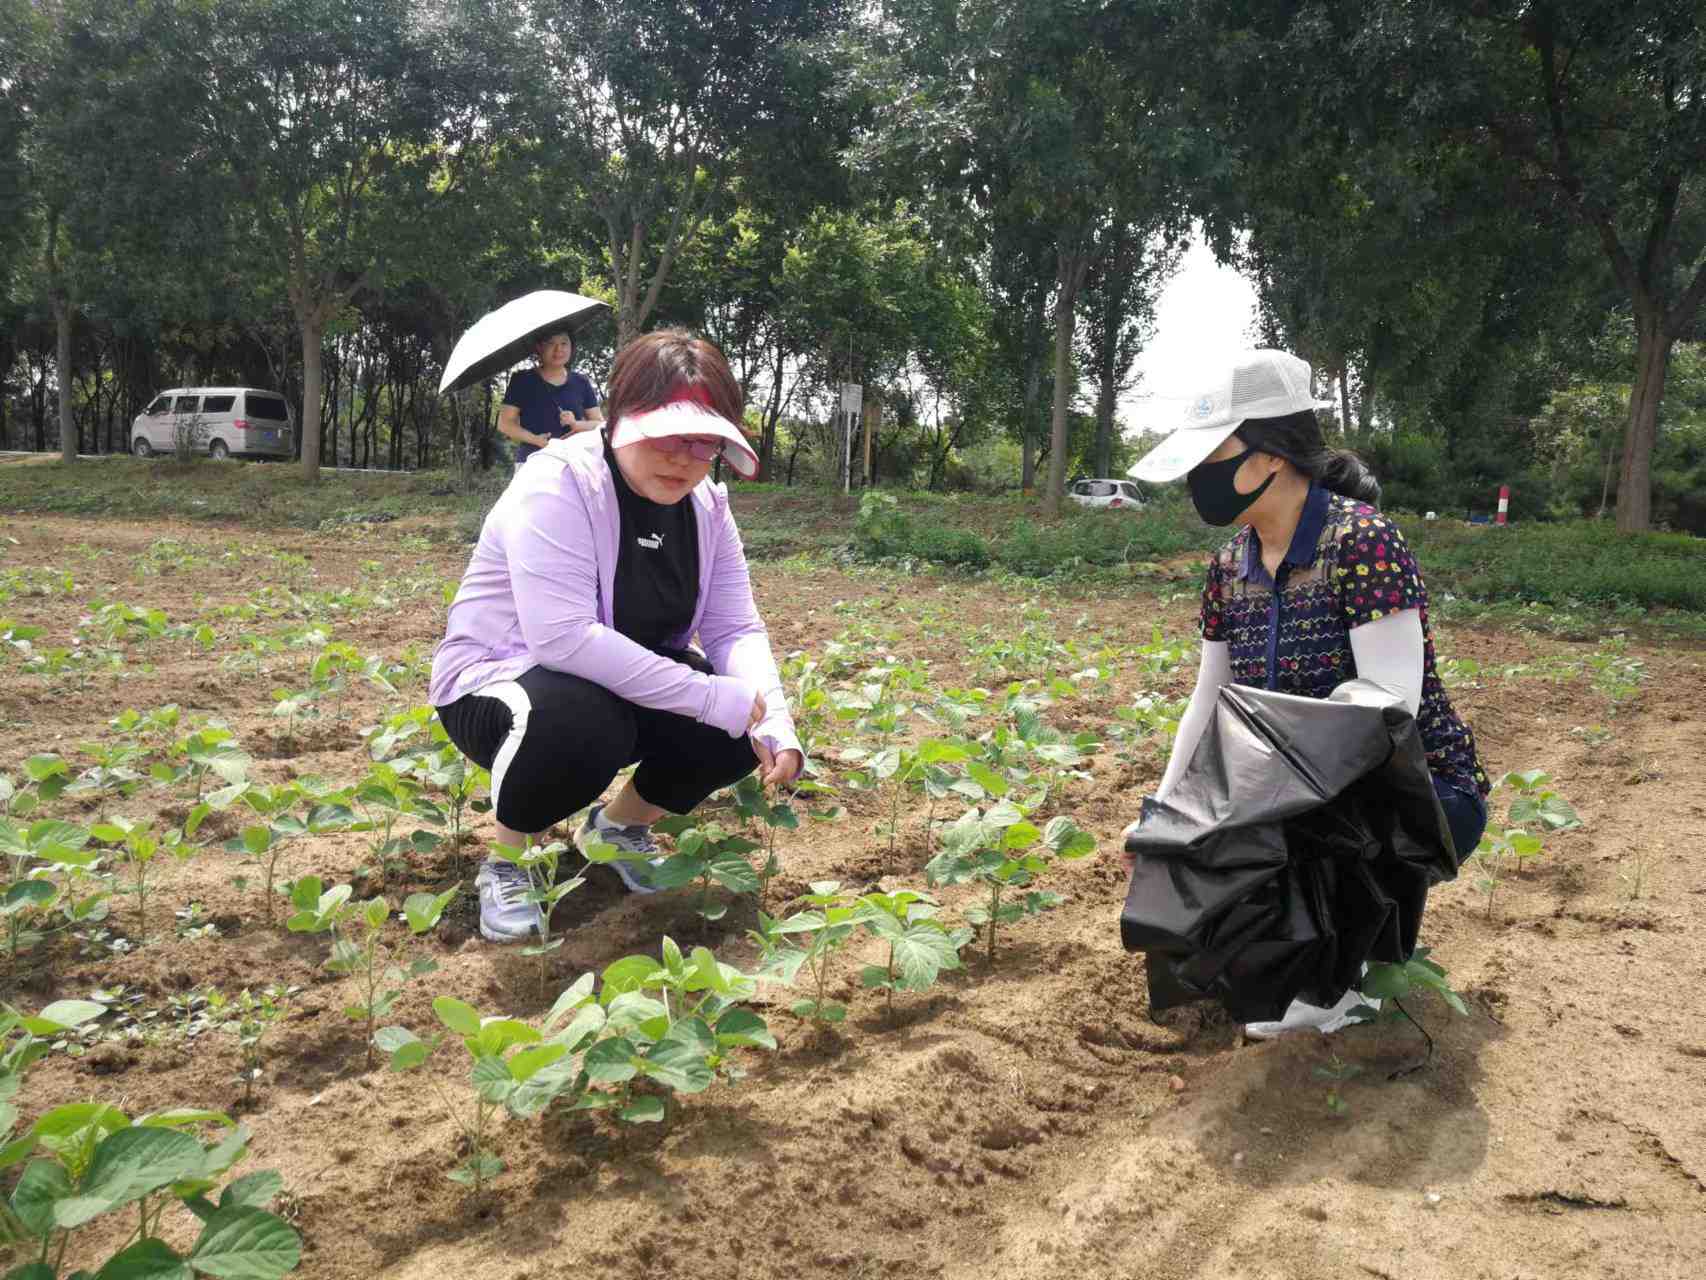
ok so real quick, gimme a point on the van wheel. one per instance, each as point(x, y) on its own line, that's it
point(141, 448)
point(217, 450)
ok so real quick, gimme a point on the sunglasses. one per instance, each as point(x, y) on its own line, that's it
point(700, 449)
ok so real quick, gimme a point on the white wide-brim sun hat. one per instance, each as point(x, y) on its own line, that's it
point(1263, 383)
point(687, 418)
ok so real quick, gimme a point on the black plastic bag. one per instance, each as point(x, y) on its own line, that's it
point(1299, 844)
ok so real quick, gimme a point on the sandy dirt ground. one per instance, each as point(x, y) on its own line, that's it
point(1030, 1120)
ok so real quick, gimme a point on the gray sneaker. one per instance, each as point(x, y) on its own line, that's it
point(505, 913)
point(636, 876)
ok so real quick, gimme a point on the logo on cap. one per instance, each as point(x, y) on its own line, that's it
point(1203, 407)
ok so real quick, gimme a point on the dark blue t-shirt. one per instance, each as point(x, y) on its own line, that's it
point(540, 402)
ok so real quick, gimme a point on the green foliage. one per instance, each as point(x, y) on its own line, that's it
point(920, 947)
point(809, 939)
point(1000, 849)
point(87, 1161)
point(543, 865)
point(248, 1017)
point(1512, 843)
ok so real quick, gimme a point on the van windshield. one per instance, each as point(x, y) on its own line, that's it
point(270, 407)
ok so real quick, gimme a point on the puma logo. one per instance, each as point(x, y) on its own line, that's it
point(652, 543)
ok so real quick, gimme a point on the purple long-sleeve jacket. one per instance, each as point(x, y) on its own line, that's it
point(537, 592)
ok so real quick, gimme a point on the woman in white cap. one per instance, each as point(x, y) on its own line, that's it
point(567, 654)
point(1315, 588)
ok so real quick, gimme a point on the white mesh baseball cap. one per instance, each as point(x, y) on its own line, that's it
point(1255, 384)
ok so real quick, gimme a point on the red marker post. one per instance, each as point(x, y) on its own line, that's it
point(1504, 503)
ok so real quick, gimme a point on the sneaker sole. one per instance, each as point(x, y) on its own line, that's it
point(492, 935)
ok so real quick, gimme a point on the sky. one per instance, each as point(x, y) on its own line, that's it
point(1206, 312)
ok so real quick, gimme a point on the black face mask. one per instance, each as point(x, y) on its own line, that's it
point(1217, 501)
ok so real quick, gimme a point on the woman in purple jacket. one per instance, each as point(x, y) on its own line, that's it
point(567, 659)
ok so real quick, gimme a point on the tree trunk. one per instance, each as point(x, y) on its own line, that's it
point(313, 334)
point(1033, 396)
point(1635, 482)
point(1348, 423)
point(62, 363)
point(1071, 276)
point(1105, 396)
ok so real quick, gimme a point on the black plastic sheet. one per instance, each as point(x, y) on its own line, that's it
point(1299, 843)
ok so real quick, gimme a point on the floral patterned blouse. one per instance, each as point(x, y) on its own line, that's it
point(1347, 565)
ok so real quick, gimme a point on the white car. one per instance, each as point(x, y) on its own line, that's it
point(222, 421)
point(1123, 494)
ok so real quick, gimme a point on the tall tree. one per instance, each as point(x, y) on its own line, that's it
point(1120, 296)
point(1035, 111)
point(1588, 110)
point(340, 123)
point(643, 106)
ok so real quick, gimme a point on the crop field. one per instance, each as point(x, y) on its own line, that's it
point(882, 1027)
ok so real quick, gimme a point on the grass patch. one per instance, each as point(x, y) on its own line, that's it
point(1578, 562)
point(264, 494)
point(1526, 571)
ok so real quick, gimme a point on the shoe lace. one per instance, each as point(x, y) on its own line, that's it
point(510, 884)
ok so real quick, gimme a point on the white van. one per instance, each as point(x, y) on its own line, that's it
point(223, 421)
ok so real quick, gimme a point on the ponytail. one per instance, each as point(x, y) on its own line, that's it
point(1297, 438)
point(1344, 473)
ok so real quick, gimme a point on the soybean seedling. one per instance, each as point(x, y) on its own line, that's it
point(1336, 1073)
point(48, 861)
point(514, 1066)
point(323, 811)
point(1003, 851)
point(249, 1017)
point(1393, 983)
point(543, 865)
point(920, 947)
point(137, 845)
point(684, 1042)
point(386, 797)
point(381, 986)
point(709, 854)
point(827, 923)
point(753, 805)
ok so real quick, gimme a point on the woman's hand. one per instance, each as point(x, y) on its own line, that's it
point(776, 766)
point(758, 710)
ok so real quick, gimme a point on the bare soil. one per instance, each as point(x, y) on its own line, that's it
point(1030, 1120)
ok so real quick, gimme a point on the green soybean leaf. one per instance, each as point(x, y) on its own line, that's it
point(1386, 982)
point(921, 954)
point(44, 1184)
point(498, 1035)
point(62, 1015)
point(128, 1165)
point(492, 1080)
point(461, 1018)
point(149, 1259)
point(525, 1064)
point(646, 1110)
point(244, 1243)
point(624, 975)
point(679, 1060)
point(742, 1028)
point(254, 1190)
point(610, 1061)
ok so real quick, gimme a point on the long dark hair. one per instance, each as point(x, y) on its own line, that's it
point(1297, 438)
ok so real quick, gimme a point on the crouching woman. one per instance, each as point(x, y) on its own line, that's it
point(567, 657)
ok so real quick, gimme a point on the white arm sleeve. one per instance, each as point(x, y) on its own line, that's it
point(1214, 671)
point(1388, 651)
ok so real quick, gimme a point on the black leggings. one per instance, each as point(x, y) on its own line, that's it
point(553, 742)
